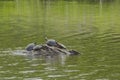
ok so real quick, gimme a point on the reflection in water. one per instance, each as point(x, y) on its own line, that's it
point(101, 4)
point(47, 65)
point(49, 59)
point(33, 79)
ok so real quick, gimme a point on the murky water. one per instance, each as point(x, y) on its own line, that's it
point(91, 27)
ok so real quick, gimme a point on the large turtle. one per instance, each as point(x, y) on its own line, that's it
point(52, 42)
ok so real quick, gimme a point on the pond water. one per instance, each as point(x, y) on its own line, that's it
point(91, 27)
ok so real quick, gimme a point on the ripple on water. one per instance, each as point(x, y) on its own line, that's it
point(34, 65)
point(102, 79)
point(110, 37)
point(12, 52)
point(84, 74)
point(69, 71)
point(13, 64)
point(29, 71)
point(71, 65)
point(19, 52)
point(8, 78)
point(56, 76)
point(7, 71)
point(33, 78)
point(1, 67)
point(50, 68)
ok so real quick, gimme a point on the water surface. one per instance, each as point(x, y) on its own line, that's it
point(91, 27)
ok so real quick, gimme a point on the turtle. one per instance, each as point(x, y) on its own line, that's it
point(37, 47)
point(52, 42)
point(30, 46)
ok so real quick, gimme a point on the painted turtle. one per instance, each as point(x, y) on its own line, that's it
point(30, 46)
point(37, 47)
point(52, 42)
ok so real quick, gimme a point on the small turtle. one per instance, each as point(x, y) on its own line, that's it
point(30, 46)
point(37, 47)
point(61, 46)
point(52, 42)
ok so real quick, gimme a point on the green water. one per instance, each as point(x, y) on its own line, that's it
point(91, 27)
